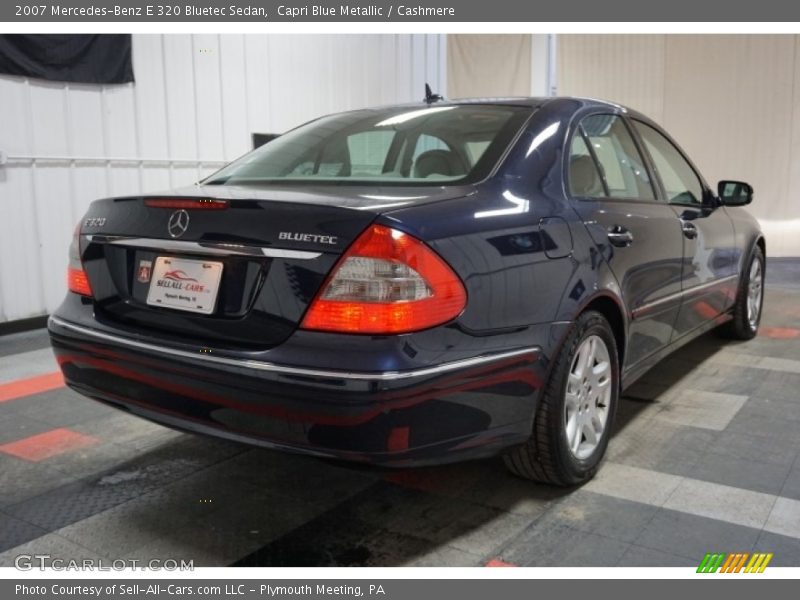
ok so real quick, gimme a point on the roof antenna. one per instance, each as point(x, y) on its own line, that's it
point(430, 97)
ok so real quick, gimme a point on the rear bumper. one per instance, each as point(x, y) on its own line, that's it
point(467, 408)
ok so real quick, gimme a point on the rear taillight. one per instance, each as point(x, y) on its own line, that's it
point(77, 281)
point(387, 282)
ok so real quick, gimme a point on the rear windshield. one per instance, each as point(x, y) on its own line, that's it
point(437, 145)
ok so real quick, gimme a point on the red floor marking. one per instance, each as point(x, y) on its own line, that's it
point(496, 562)
point(48, 444)
point(779, 333)
point(30, 386)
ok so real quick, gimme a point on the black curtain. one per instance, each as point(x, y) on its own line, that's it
point(72, 58)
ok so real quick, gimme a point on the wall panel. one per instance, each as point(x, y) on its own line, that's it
point(150, 96)
point(178, 56)
point(195, 102)
point(628, 69)
point(481, 65)
point(20, 258)
point(233, 102)
point(208, 96)
point(788, 228)
point(733, 113)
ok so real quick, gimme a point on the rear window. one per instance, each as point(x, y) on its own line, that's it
point(436, 145)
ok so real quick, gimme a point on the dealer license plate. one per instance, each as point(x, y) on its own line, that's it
point(190, 285)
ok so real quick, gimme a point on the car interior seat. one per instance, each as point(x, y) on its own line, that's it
point(444, 163)
point(584, 180)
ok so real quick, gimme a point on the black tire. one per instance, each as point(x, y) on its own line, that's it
point(740, 327)
point(546, 456)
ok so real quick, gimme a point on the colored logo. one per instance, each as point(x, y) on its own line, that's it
point(178, 275)
point(145, 270)
point(178, 223)
point(735, 563)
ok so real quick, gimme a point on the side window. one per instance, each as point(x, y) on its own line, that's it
point(435, 158)
point(680, 181)
point(475, 149)
point(585, 180)
point(618, 162)
point(427, 142)
point(368, 151)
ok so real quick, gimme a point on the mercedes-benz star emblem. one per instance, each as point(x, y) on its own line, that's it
point(178, 223)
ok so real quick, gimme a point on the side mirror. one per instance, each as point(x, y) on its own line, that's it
point(734, 193)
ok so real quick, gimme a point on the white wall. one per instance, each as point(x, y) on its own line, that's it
point(195, 102)
point(488, 65)
point(484, 65)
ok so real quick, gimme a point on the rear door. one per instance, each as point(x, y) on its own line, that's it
point(708, 276)
point(637, 234)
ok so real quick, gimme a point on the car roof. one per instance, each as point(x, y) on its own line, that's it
point(532, 102)
point(535, 102)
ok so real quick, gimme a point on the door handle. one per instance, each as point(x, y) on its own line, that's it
point(620, 236)
point(689, 230)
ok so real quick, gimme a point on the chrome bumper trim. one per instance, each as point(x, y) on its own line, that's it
point(286, 370)
point(205, 248)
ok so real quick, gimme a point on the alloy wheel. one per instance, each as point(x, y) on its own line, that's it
point(755, 289)
point(587, 397)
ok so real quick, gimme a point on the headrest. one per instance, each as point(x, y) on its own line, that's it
point(439, 162)
point(584, 180)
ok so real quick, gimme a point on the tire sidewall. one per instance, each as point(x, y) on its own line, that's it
point(590, 323)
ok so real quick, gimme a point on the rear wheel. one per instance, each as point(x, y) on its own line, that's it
point(749, 300)
point(576, 411)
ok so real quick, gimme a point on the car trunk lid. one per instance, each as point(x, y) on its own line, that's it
point(224, 266)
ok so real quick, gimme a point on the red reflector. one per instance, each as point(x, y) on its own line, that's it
point(398, 439)
point(78, 282)
point(387, 282)
point(187, 203)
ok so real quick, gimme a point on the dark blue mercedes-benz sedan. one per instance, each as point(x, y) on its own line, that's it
point(414, 284)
